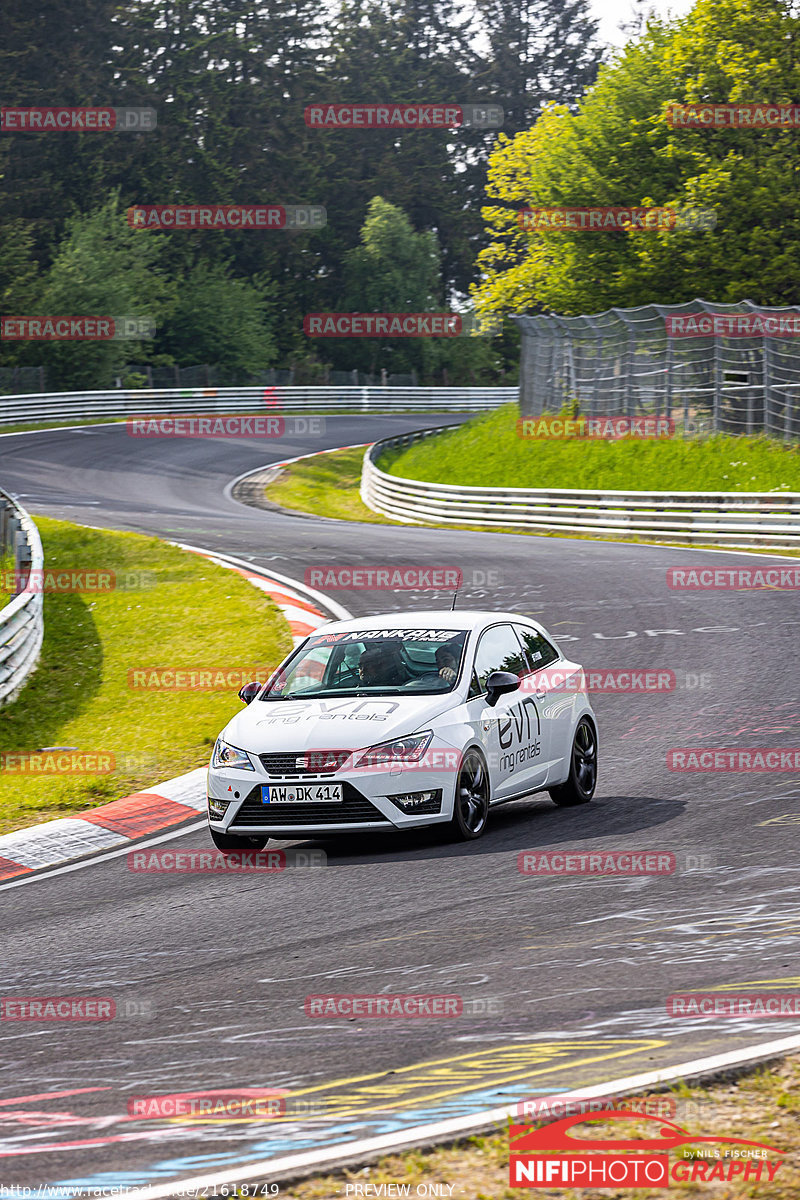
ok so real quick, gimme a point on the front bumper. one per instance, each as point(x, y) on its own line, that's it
point(366, 804)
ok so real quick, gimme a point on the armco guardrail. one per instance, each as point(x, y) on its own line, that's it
point(21, 620)
point(727, 518)
point(122, 402)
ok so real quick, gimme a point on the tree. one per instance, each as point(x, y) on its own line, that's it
point(102, 268)
point(619, 150)
point(394, 269)
point(542, 52)
point(223, 321)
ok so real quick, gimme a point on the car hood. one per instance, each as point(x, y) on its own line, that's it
point(339, 723)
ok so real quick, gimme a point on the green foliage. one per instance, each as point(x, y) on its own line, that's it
point(489, 452)
point(221, 320)
point(619, 150)
point(229, 83)
point(158, 616)
point(102, 268)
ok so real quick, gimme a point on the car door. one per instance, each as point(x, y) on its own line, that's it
point(510, 731)
point(553, 695)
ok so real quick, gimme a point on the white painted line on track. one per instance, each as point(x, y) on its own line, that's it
point(101, 858)
point(333, 606)
point(455, 1127)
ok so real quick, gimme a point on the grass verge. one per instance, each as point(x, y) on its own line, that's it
point(486, 452)
point(762, 1107)
point(326, 485)
point(170, 609)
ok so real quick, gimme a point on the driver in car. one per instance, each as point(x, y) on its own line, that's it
point(447, 663)
point(379, 666)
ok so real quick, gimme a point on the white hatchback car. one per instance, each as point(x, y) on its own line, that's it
point(399, 721)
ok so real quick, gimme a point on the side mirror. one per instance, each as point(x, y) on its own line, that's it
point(249, 692)
point(498, 683)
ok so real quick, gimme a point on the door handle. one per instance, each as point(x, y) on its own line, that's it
point(540, 695)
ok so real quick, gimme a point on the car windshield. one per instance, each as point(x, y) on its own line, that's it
point(371, 662)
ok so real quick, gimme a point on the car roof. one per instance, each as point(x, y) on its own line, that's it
point(431, 618)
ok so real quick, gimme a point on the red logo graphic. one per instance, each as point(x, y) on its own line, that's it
point(733, 116)
point(596, 220)
point(207, 861)
point(698, 758)
point(446, 324)
point(733, 325)
point(422, 1005)
point(193, 679)
point(57, 762)
point(406, 578)
point(609, 427)
point(601, 862)
point(743, 1004)
point(533, 1163)
point(697, 579)
point(57, 1008)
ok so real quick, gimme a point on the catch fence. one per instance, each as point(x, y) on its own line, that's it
point(739, 373)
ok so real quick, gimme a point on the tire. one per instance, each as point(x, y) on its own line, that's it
point(237, 841)
point(471, 804)
point(582, 780)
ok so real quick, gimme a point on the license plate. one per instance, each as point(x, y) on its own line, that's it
point(302, 793)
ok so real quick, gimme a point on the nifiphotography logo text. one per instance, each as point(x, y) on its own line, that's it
point(548, 1157)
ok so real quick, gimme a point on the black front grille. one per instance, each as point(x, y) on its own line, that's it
point(353, 809)
point(310, 762)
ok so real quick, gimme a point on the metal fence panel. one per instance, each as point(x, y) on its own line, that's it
point(624, 361)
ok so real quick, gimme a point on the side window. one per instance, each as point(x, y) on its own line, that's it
point(539, 651)
point(499, 650)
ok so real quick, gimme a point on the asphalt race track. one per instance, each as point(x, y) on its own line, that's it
point(581, 968)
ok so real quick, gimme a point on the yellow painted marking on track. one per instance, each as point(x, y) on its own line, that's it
point(384, 1091)
point(784, 819)
point(401, 937)
point(408, 1086)
point(790, 981)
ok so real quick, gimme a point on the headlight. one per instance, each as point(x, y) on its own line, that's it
point(400, 750)
point(228, 756)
